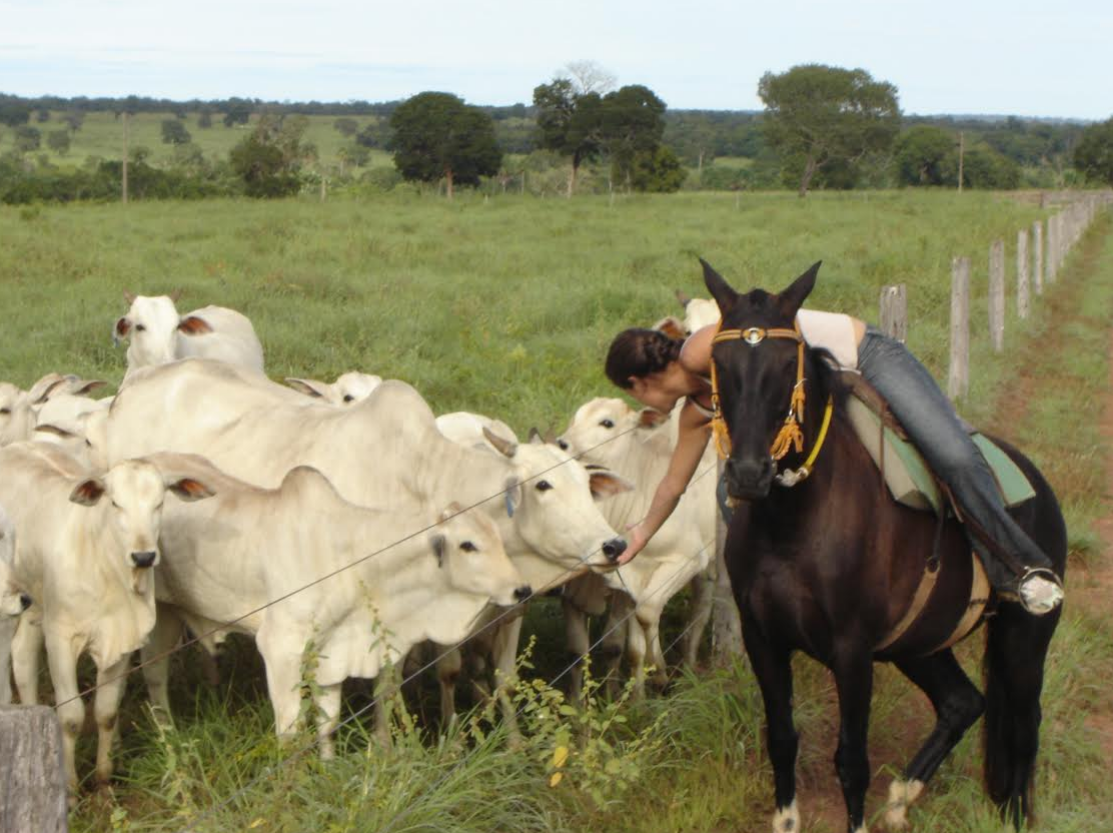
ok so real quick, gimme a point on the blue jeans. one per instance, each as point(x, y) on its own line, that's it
point(935, 429)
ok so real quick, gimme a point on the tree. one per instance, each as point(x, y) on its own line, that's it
point(631, 121)
point(657, 171)
point(568, 122)
point(239, 112)
point(205, 118)
point(436, 135)
point(74, 119)
point(14, 112)
point(346, 126)
point(589, 77)
point(925, 155)
point(1093, 155)
point(27, 139)
point(826, 115)
point(59, 141)
point(174, 132)
point(42, 115)
point(269, 159)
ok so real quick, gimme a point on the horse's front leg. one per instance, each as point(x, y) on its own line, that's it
point(771, 666)
point(853, 669)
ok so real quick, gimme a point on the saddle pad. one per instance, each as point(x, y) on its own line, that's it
point(907, 475)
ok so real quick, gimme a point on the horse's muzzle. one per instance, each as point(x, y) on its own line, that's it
point(749, 479)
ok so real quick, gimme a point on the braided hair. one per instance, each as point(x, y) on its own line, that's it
point(640, 352)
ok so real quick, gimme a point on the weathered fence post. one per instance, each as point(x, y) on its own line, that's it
point(1022, 273)
point(33, 794)
point(1037, 256)
point(726, 624)
point(894, 312)
point(958, 376)
point(1052, 248)
point(997, 295)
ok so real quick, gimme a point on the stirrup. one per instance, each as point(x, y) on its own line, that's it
point(1045, 596)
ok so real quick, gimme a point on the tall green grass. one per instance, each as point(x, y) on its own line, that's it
point(506, 307)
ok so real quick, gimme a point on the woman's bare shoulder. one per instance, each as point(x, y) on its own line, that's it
point(695, 355)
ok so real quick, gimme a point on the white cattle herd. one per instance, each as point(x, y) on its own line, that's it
point(342, 516)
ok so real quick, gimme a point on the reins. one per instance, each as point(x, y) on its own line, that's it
point(791, 434)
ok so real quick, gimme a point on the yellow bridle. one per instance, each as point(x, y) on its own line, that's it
point(791, 433)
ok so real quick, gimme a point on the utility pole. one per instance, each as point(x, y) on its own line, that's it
point(961, 153)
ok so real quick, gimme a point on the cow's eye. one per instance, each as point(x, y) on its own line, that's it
point(607, 423)
point(139, 328)
point(348, 397)
point(544, 486)
point(468, 546)
point(5, 410)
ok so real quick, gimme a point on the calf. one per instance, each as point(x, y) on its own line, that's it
point(18, 408)
point(362, 585)
point(85, 546)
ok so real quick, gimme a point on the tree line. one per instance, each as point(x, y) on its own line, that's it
point(822, 127)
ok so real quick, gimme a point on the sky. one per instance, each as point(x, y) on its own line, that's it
point(1049, 59)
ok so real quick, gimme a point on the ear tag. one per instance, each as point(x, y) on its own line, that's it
point(509, 505)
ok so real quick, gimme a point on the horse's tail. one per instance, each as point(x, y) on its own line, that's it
point(1016, 646)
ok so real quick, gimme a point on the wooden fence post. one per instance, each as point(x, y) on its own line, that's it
point(958, 375)
point(1022, 273)
point(1037, 256)
point(997, 294)
point(894, 312)
point(33, 795)
point(1052, 248)
point(726, 623)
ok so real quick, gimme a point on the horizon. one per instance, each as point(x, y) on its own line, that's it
point(944, 58)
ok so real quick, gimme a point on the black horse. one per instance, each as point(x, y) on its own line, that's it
point(831, 565)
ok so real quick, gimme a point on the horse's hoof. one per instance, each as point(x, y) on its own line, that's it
point(787, 819)
point(901, 794)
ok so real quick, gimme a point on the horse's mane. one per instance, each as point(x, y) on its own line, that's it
point(827, 376)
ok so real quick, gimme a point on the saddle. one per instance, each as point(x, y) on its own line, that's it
point(912, 483)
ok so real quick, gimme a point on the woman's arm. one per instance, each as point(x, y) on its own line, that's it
point(694, 431)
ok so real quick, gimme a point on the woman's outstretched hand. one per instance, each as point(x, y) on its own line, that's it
point(636, 541)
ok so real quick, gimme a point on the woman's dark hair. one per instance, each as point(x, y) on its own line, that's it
point(639, 352)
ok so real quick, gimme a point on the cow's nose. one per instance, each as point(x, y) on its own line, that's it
point(143, 559)
point(523, 593)
point(24, 600)
point(614, 548)
point(563, 445)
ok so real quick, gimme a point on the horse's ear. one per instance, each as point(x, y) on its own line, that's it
point(792, 298)
point(720, 290)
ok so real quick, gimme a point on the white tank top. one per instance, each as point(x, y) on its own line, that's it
point(833, 331)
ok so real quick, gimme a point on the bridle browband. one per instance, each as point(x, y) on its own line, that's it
point(791, 433)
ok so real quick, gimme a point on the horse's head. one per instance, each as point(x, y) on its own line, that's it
point(757, 369)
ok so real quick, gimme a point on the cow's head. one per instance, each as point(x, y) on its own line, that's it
point(348, 389)
point(152, 325)
point(470, 552)
point(130, 496)
point(604, 427)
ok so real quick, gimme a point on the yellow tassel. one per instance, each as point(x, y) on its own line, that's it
point(721, 433)
point(789, 435)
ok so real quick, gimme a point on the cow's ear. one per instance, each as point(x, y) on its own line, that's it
point(310, 387)
point(607, 483)
point(88, 492)
point(437, 542)
point(720, 290)
point(651, 418)
point(504, 446)
point(194, 326)
point(121, 330)
point(790, 301)
point(189, 489)
point(672, 328)
point(42, 389)
point(84, 386)
point(513, 490)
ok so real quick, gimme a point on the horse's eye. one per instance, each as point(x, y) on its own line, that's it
point(607, 423)
point(468, 546)
point(544, 486)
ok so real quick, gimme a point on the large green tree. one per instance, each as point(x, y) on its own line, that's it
point(632, 121)
point(270, 158)
point(568, 122)
point(437, 135)
point(827, 115)
point(1093, 155)
point(925, 155)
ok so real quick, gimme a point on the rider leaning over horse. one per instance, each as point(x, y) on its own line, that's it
point(659, 371)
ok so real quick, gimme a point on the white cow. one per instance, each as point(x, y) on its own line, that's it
point(638, 445)
point(18, 408)
point(159, 334)
point(386, 580)
point(698, 312)
point(348, 389)
point(13, 601)
point(384, 452)
point(85, 547)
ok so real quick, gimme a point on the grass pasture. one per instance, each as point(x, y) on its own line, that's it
point(505, 307)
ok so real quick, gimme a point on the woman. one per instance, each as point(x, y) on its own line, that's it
point(659, 371)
